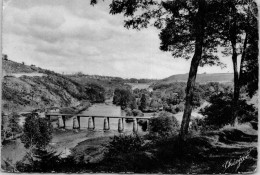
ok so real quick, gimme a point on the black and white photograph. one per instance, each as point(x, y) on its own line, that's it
point(129, 86)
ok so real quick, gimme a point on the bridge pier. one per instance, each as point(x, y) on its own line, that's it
point(75, 123)
point(64, 121)
point(93, 119)
point(78, 117)
point(60, 122)
point(106, 124)
point(135, 127)
point(147, 127)
point(120, 125)
point(91, 125)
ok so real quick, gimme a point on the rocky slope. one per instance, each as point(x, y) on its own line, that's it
point(25, 93)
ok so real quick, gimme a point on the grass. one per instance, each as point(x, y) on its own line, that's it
point(244, 127)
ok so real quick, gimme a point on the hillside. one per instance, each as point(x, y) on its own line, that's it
point(108, 83)
point(25, 93)
point(201, 78)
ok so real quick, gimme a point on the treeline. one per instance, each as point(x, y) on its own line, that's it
point(142, 80)
point(118, 79)
point(168, 97)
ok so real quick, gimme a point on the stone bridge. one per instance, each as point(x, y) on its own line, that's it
point(91, 121)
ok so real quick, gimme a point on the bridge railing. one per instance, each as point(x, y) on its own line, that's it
point(91, 121)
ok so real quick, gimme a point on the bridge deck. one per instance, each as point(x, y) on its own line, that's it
point(84, 115)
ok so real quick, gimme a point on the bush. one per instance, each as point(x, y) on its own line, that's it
point(164, 125)
point(200, 125)
point(124, 144)
point(128, 153)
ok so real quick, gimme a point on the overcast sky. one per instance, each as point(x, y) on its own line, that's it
point(71, 36)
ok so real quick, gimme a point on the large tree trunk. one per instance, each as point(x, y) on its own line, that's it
point(233, 39)
point(237, 75)
point(242, 62)
point(199, 28)
point(236, 84)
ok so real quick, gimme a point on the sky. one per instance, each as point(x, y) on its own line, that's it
point(72, 36)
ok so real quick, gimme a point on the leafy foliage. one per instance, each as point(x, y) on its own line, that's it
point(124, 144)
point(219, 113)
point(164, 125)
point(37, 132)
point(124, 98)
point(10, 126)
point(250, 66)
point(95, 93)
point(144, 102)
point(128, 153)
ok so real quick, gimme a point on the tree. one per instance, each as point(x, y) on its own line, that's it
point(10, 126)
point(240, 35)
point(95, 93)
point(154, 104)
point(37, 132)
point(124, 98)
point(13, 125)
point(4, 128)
point(249, 63)
point(143, 102)
point(219, 113)
point(186, 28)
point(5, 57)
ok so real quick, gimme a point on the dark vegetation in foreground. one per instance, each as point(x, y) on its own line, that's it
point(226, 150)
point(133, 153)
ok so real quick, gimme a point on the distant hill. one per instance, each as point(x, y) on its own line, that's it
point(201, 78)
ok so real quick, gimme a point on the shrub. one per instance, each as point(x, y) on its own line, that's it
point(164, 125)
point(128, 153)
point(124, 144)
point(200, 125)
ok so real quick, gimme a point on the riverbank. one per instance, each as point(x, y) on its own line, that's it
point(64, 140)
